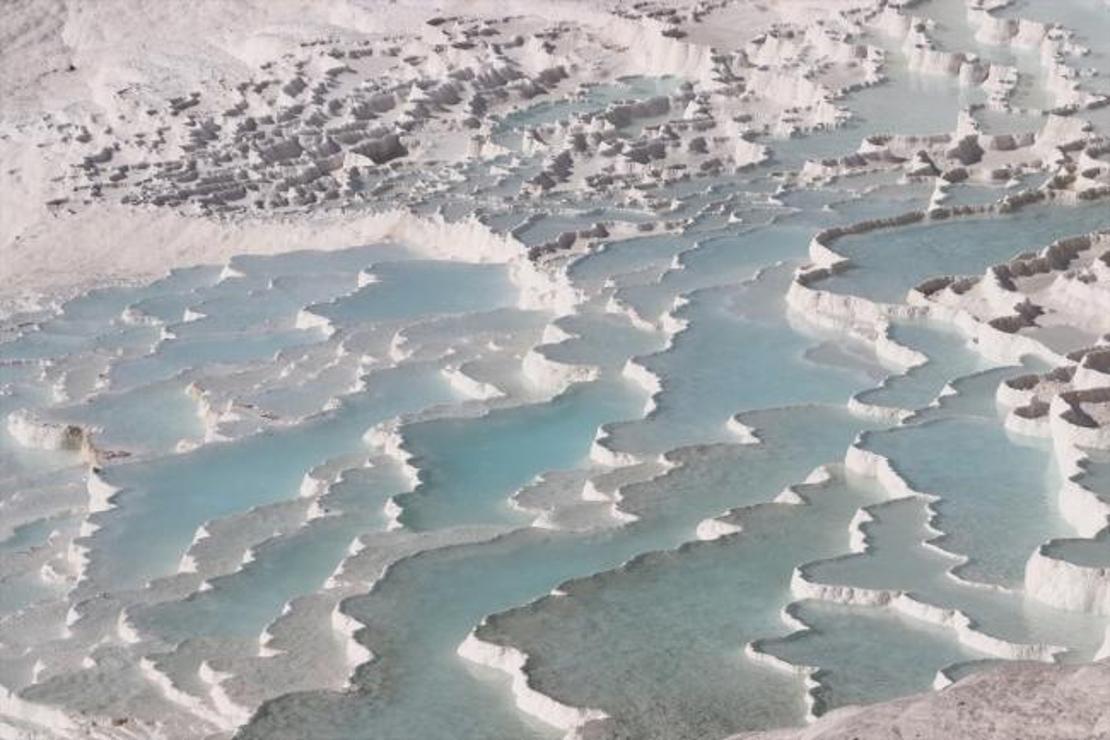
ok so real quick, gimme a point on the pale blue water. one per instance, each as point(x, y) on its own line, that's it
point(685, 613)
point(869, 655)
point(948, 355)
point(417, 288)
point(23, 591)
point(161, 414)
point(242, 604)
point(1088, 19)
point(1096, 472)
point(177, 355)
point(171, 497)
point(994, 514)
point(419, 688)
point(592, 100)
point(723, 364)
point(28, 535)
point(1093, 553)
point(628, 256)
point(905, 103)
point(472, 466)
point(897, 559)
point(886, 264)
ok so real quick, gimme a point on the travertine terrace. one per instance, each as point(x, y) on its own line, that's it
point(677, 369)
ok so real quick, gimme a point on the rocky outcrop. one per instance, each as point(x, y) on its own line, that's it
point(1016, 701)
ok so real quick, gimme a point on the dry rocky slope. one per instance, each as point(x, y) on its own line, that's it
point(1017, 702)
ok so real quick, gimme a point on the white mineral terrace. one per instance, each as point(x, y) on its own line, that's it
point(678, 369)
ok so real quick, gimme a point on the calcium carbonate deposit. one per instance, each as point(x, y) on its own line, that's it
point(519, 370)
